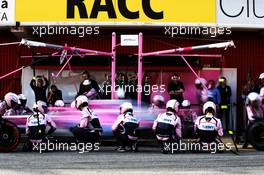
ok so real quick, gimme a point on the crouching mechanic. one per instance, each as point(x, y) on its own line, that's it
point(89, 130)
point(167, 126)
point(255, 113)
point(10, 102)
point(208, 128)
point(124, 128)
point(36, 125)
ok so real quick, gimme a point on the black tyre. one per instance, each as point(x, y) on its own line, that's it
point(9, 136)
point(256, 135)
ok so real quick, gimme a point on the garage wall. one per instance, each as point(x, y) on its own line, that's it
point(247, 57)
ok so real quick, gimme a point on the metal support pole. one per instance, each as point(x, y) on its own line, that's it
point(140, 50)
point(113, 69)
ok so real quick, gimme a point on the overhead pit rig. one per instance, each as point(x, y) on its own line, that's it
point(66, 53)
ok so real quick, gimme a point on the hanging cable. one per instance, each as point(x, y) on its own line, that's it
point(69, 59)
point(193, 71)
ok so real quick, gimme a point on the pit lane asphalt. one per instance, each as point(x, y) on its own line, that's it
point(148, 160)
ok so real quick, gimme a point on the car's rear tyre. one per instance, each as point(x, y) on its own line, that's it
point(9, 136)
point(256, 135)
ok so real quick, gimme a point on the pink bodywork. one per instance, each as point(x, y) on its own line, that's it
point(107, 111)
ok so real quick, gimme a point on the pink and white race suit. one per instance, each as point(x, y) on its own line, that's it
point(209, 123)
point(254, 113)
point(171, 119)
point(122, 119)
point(41, 120)
point(3, 108)
point(87, 115)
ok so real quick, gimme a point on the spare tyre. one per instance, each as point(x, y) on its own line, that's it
point(256, 135)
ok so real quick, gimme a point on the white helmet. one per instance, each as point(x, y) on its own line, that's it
point(40, 106)
point(80, 100)
point(11, 97)
point(174, 104)
point(186, 103)
point(261, 76)
point(120, 93)
point(261, 93)
point(207, 105)
point(125, 107)
point(73, 104)
point(158, 98)
point(59, 103)
point(200, 81)
point(22, 99)
point(253, 96)
point(87, 82)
